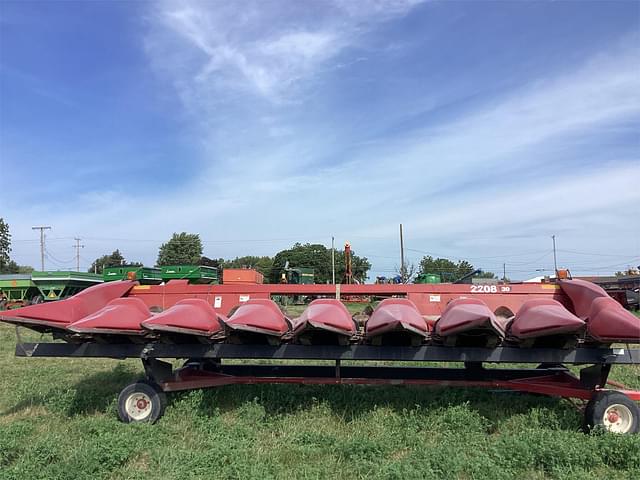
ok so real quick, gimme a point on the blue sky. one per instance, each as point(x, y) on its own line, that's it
point(483, 127)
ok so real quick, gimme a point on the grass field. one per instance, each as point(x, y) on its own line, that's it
point(58, 421)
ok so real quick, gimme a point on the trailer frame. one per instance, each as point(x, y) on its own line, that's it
point(206, 368)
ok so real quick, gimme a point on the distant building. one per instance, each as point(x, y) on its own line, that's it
point(626, 282)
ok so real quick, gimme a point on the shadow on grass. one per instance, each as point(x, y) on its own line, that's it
point(352, 402)
point(98, 394)
point(91, 395)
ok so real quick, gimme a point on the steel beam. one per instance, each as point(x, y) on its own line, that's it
point(583, 355)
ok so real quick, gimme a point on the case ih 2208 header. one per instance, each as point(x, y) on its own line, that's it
point(547, 325)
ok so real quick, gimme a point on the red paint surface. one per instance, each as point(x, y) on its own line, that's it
point(261, 314)
point(192, 314)
point(241, 276)
point(326, 312)
point(73, 309)
point(541, 317)
point(430, 299)
point(392, 313)
point(466, 314)
point(582, 295)
point(119, 314)
point(561, 384)
point(609, 321)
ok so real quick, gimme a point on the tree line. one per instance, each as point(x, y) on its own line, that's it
point(187, 249)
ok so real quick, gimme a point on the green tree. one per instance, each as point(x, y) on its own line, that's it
point(5, 245)
point(318, 257)
point(6, 264)
point(449, 271)
point(115, 259)
point(262, 264)
point(182, 249)
point(13, 267)
point(25, 268)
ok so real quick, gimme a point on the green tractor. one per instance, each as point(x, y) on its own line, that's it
point(428, 278)
point(295, 276)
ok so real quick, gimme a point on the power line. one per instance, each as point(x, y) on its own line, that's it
point(50, 256)
point(246, 240)
point(32, 240)
point(591, 254)
point(57, 263)
point(448, 257)
point(532, 261)
point(604, 267)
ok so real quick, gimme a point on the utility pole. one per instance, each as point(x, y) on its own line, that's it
point(555, 262)
point(504, 273)
point(42, 228)
point(403, 272)
point(333, 260)
point(77, 246)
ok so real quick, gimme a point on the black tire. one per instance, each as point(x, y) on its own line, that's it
point(150, 403)
point(37, 299)
point(612, 411)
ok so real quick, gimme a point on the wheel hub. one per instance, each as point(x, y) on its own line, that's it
point(618, 418)
point(138, 406)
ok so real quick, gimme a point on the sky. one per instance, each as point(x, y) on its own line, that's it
point(483, 127)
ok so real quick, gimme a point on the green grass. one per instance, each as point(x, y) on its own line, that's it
point(293, 310)
point(58, 421)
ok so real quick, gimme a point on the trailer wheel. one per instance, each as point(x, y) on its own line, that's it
point(141, 402)
point(37, 299)
point(613, 411)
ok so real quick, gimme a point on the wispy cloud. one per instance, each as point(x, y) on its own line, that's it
point(513, 130)
point(285, 152)
point(264, 48)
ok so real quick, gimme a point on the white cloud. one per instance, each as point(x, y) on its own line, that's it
point(265, 173)
point(257, 46)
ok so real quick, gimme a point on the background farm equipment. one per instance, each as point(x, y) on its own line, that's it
point(241, 276)
point(428, 278)
point(144, 275)
point(192, 273)
point(23, 289)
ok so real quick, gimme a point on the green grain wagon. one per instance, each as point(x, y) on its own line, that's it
point(16, 290)
point(144, 275)
point(193, 273)
point(54, 285)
